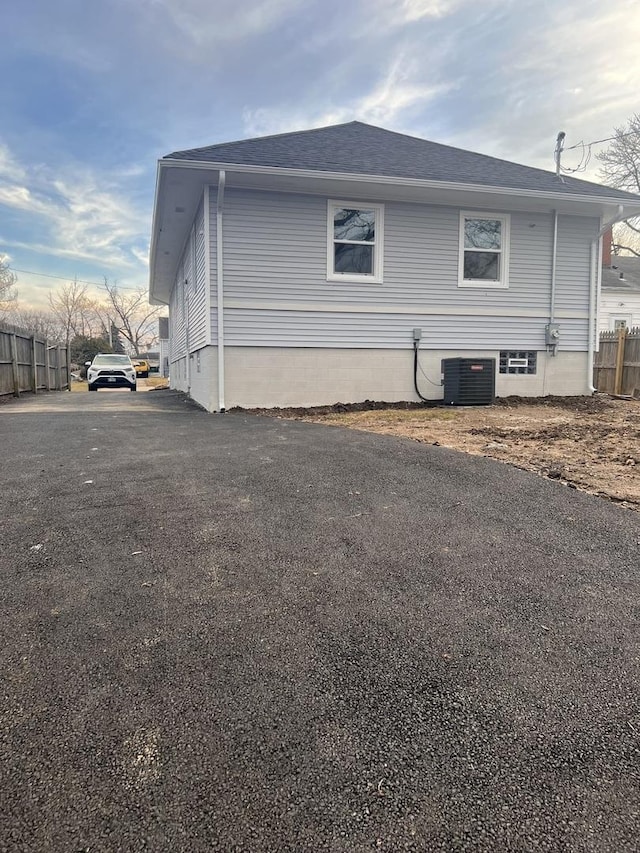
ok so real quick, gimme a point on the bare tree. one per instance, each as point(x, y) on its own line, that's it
point(132, 315)
point(8, 292)
point(621, 169)
point(77, 313)
point(42, 323)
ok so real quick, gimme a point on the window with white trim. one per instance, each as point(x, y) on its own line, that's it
point(354, 241)
point(484, 250)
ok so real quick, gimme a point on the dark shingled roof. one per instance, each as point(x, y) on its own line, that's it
point(363, 149)
point(629, 268)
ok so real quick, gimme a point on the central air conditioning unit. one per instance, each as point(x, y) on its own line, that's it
point(469, 381)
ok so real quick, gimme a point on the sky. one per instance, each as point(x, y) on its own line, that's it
point(93, 93)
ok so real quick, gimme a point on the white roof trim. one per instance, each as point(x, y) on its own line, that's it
point(391, 180)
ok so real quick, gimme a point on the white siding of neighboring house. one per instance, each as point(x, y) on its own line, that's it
point(619, 304)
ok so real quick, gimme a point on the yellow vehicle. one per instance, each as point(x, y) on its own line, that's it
point(141, 366)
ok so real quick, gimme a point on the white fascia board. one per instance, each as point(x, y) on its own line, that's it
point(401, 182)
point(154, 233)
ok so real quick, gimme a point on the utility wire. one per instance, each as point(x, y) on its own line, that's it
point(69, 278)
point(608, 139)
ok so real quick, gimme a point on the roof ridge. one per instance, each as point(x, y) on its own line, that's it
point(271, 136)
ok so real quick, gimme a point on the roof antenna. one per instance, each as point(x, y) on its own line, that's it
point(558, 153)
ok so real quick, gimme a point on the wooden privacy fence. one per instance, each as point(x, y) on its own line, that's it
point(30, 363)
point(616, 368)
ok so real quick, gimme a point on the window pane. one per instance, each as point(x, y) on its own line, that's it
point(353, 259)
point(482, 265)
point(354, 225)
point(482, 234)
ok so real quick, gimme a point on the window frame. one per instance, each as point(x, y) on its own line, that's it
point(627, 319)
point(376, 276)
point(485, 284)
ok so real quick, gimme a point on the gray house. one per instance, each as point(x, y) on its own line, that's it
point(306, 268)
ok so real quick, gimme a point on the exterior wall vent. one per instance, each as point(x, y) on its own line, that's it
point(469, 381)
point(518, 361)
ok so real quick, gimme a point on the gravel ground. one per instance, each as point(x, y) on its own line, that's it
point(234, 633)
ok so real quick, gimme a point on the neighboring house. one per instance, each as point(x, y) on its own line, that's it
point(620, 292)
point(300, 268)
point(163, 343)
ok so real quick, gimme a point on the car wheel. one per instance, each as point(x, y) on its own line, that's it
point(92, 388)
point(134, 387)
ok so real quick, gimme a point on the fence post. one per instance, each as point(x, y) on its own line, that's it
point(68, 366)
point(47, 363)
point(58, 369)
point(14, 366)
point(622, 338)
point(34, 366)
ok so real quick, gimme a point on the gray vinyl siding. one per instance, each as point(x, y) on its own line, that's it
point(573, 261)
point(177, 326)
point(213, 260)
point(275, 249)
point(197, 293)
point(251, 327)
point(189, 293)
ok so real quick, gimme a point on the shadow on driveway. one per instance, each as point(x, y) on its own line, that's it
point(238, 633)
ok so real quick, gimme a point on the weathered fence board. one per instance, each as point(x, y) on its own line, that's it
point(31, 363)
point(616, 368)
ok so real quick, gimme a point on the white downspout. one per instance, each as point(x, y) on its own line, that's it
point(185, 320)
point(592, 313)
point(220, 286)
point(552, 295)
point(554, 262)
point(593, 293)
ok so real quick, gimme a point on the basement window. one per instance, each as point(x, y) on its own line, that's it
point(518, 361)
point(354, 241)
point(484, 250)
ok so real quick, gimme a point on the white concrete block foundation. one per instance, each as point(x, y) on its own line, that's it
point(265, 377)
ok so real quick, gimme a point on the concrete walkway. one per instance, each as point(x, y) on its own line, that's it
point(230, 633)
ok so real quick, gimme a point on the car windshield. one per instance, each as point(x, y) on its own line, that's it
point(108, 359)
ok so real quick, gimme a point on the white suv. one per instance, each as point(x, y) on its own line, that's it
point(110, 370)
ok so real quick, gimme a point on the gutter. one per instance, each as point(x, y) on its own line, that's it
point(593, 290)
point(152, 249)
point(220, 286)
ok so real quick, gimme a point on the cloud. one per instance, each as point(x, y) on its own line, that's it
point(82, 216)
point(415, 10)
point(396, 92)
point(9, 168)
point(205, 25)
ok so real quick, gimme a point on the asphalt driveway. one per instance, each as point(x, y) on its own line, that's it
point(231, 633)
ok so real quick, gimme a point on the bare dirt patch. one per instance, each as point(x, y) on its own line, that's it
point(589, 443)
